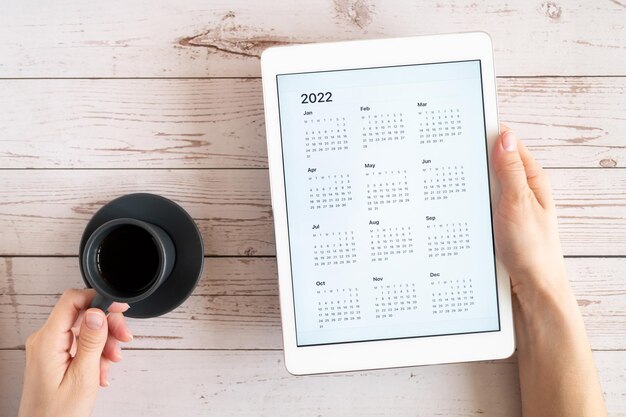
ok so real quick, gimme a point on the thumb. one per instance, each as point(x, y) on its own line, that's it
point(508, 165)
point(92, 337)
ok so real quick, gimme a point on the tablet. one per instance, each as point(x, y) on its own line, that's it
point(382, 199)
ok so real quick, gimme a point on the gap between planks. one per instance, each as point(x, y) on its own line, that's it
point(21, 349)
point(274, 256)
point(258, 78)
point(223, 168)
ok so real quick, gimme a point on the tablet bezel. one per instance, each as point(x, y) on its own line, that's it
point(301, 360)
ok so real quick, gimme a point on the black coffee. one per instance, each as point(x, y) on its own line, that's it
point(128, 259)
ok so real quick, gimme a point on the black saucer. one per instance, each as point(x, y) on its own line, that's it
point(182, 230)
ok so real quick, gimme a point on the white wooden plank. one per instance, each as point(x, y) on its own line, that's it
point(220, 276)
point(253, 322)
point(132, 124)
point(168, 123)
point(195, 38)
point(202, 322)
point(218, 123)
point(255, 383)
point(589, 277)
point(44, 212)
point(234, 309)
point(572, 122)
point(591, 210)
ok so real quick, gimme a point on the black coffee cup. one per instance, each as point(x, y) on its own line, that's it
point(126, 260)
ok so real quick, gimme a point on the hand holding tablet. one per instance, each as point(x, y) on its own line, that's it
point(382, 198)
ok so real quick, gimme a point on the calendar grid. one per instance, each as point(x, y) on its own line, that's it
point(334, 248)
point(337, 306)
point(447, 239)
point(387, 242)
point(441, 182)
point(450, 296)
point(393, 299)
point(387, 187)
point(438, 125)
point(382, 128)
point(325, 134)
point(329, 191)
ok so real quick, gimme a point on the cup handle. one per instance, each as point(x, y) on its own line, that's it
point(101, 302)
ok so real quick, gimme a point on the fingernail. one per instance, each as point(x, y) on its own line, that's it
point(94, 320)
point(129, 336)
point(106, 382)
point(509, 141)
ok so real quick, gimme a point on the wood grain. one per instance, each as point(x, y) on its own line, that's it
point(218, 123)
point(231, 383)
point(132, 124)
point(163, 95)
point(598, 277)
point(43, 212)
point(226, 322)
point(235, 305)
point(193, 38)
point(220, 276)
point(567, 122)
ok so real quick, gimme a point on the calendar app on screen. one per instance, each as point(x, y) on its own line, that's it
point(388, 202)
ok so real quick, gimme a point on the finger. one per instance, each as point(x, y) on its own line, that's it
point(508, 165)
point(112, 350)
point(105, 364)
point(115, 308)
point(85, 366)
point(73, 343)
point(118, 308)
point(118, 327)
point(536, 177)
point(78, 321)
point(67, 309)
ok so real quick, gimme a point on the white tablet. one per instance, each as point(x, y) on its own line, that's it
point(382, 198)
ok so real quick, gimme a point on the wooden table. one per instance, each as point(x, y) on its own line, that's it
point(100, 99)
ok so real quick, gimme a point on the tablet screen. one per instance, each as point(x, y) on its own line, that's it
point(388, 202)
